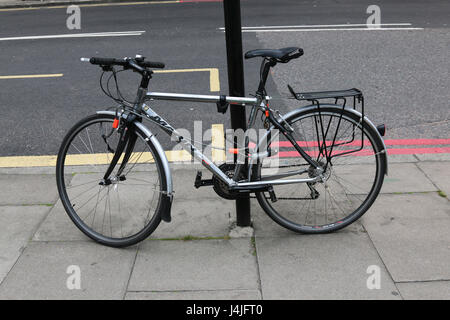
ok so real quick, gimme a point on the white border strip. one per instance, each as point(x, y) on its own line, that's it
point(322, 26)
point(333, 29)
point(78, 35)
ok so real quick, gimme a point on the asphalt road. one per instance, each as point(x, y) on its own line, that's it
point(403, 73)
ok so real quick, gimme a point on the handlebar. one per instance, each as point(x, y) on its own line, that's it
point(132, 63)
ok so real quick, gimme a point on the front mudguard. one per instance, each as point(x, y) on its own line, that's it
point(160, 155)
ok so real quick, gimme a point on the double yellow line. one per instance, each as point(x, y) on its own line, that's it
point(214, 82)
point(217, 141)
point(32, 76)
point(173, 156)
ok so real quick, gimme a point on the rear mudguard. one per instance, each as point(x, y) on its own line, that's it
point(167, 185)
point(295, 112)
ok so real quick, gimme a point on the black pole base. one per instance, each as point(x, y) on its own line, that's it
point(243, 212)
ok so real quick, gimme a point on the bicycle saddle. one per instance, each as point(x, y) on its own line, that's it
point(280, 55)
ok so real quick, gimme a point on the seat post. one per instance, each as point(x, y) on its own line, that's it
point(268, 63)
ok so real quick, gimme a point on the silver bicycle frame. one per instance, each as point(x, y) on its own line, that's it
point(197, 154)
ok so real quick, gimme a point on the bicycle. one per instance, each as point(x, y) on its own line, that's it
point(333, 159)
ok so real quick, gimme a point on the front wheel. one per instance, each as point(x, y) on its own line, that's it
point(350, 152)
point(119, 211)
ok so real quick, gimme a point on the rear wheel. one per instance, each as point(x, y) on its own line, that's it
point(126, 208)
point(352, 178)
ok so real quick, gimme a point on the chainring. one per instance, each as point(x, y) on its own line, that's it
point(221, 187)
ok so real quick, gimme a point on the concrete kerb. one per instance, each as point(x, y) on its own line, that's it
point(195, 165)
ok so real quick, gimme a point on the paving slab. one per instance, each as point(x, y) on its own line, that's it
point(28, 189)
point(201, 215)
point(331, 266)
point(430, 290)
point(195, 265)
point(265, 227)
point(406, 177)
point(438, 173)
point(27, 170)
point(401, 158)
point(57, 226)
point(411, 234)
point(196, 295)
point(183, 184)
point(434, 157)
point(102, 207)
point(44, 269)
point(17, 225)
point(197, 217)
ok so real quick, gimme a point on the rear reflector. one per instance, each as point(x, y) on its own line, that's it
point(381, 129)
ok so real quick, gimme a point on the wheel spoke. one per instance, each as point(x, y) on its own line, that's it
point(117, 208)
point(342, 191)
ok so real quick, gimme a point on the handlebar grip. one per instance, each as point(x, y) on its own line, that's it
point(298, 54)
point(151, 64)
point(125, 62)
point(107, 61)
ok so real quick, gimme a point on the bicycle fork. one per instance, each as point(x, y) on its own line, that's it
point(127, 142)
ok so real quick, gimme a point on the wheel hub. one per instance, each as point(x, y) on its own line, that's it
point(114, 180)
point(324, 172)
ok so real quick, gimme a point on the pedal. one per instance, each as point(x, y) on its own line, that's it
point(272, 195)
point(200, 183)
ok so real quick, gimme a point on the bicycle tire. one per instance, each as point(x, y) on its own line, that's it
point(69, 207)
point(376, 142)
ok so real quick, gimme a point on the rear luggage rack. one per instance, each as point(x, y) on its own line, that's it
point(340, 99)
point(326, 94)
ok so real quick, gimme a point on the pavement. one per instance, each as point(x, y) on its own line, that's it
point(403, 239)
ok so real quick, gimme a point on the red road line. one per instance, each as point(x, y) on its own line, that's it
point(392, 142)
point(365, 152)
point(295, 154)
point(409, 142)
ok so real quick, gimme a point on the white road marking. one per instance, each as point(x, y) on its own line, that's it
point(333, 29)
point(78, 35)
point(322, 26)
